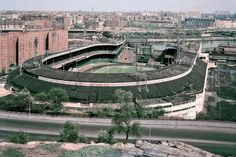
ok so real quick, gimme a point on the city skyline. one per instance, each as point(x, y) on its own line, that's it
point(121, 5)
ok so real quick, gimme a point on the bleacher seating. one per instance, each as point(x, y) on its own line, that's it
point(192, 83)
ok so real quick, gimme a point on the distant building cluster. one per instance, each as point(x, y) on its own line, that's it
point(199, 22)
point(18, 29)
point(225, 24)
point(16, 47)
point(99, 20)
point(38, 21)
point(12, 24)
point(229, 49)
point(208, 22)
point(115, 22)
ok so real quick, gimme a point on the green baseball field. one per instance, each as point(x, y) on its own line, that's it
point(121, 69)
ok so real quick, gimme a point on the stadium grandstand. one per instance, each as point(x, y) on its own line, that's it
point(178, 88)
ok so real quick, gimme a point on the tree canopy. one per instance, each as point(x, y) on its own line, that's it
point(71, 133)
point(122, 120)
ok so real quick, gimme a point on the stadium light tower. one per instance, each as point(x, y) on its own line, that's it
point(141, 76)
point(177, 32)
point(84, 34)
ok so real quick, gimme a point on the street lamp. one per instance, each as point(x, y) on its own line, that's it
point(29, 108)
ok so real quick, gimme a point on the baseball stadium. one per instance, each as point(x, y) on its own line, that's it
point(174, 81)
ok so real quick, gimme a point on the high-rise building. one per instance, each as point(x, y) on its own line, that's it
point(115, 22)
point(16, 47)
point(8, 49)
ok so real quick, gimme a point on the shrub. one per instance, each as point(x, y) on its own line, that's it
point(71, 133)
point(156, 113)
point(105, 137)
point(19, 137)
point(105, 112)
point(82, 138)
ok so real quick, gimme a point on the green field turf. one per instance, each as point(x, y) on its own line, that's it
point(121, 69)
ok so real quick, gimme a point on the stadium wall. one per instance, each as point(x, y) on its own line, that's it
point(158, 88)
point(200, 98)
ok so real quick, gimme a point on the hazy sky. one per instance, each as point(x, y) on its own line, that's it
point(120, 5)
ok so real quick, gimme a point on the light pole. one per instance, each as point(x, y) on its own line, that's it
point(150, 129)
point(218, 78)
point(29, 108)
point(28, 99)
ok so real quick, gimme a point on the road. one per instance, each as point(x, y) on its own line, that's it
point(199, 131)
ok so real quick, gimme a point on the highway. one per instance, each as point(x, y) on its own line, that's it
point(216, 137)
point(194, 132)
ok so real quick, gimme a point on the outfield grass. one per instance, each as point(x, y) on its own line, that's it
point(121, 69)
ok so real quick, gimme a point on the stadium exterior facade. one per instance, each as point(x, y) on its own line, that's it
point(179, 89)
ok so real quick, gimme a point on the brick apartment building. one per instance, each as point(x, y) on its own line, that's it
point(115, 22)
point(16, 47)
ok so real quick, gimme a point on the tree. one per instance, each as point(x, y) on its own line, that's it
point(123, 96)
point(56, 96)
point(19, 103)
point(122, 123)
point(122, 120)
point(139, 109)
point(42, 96)
point(19, 137)
point(70, 133)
